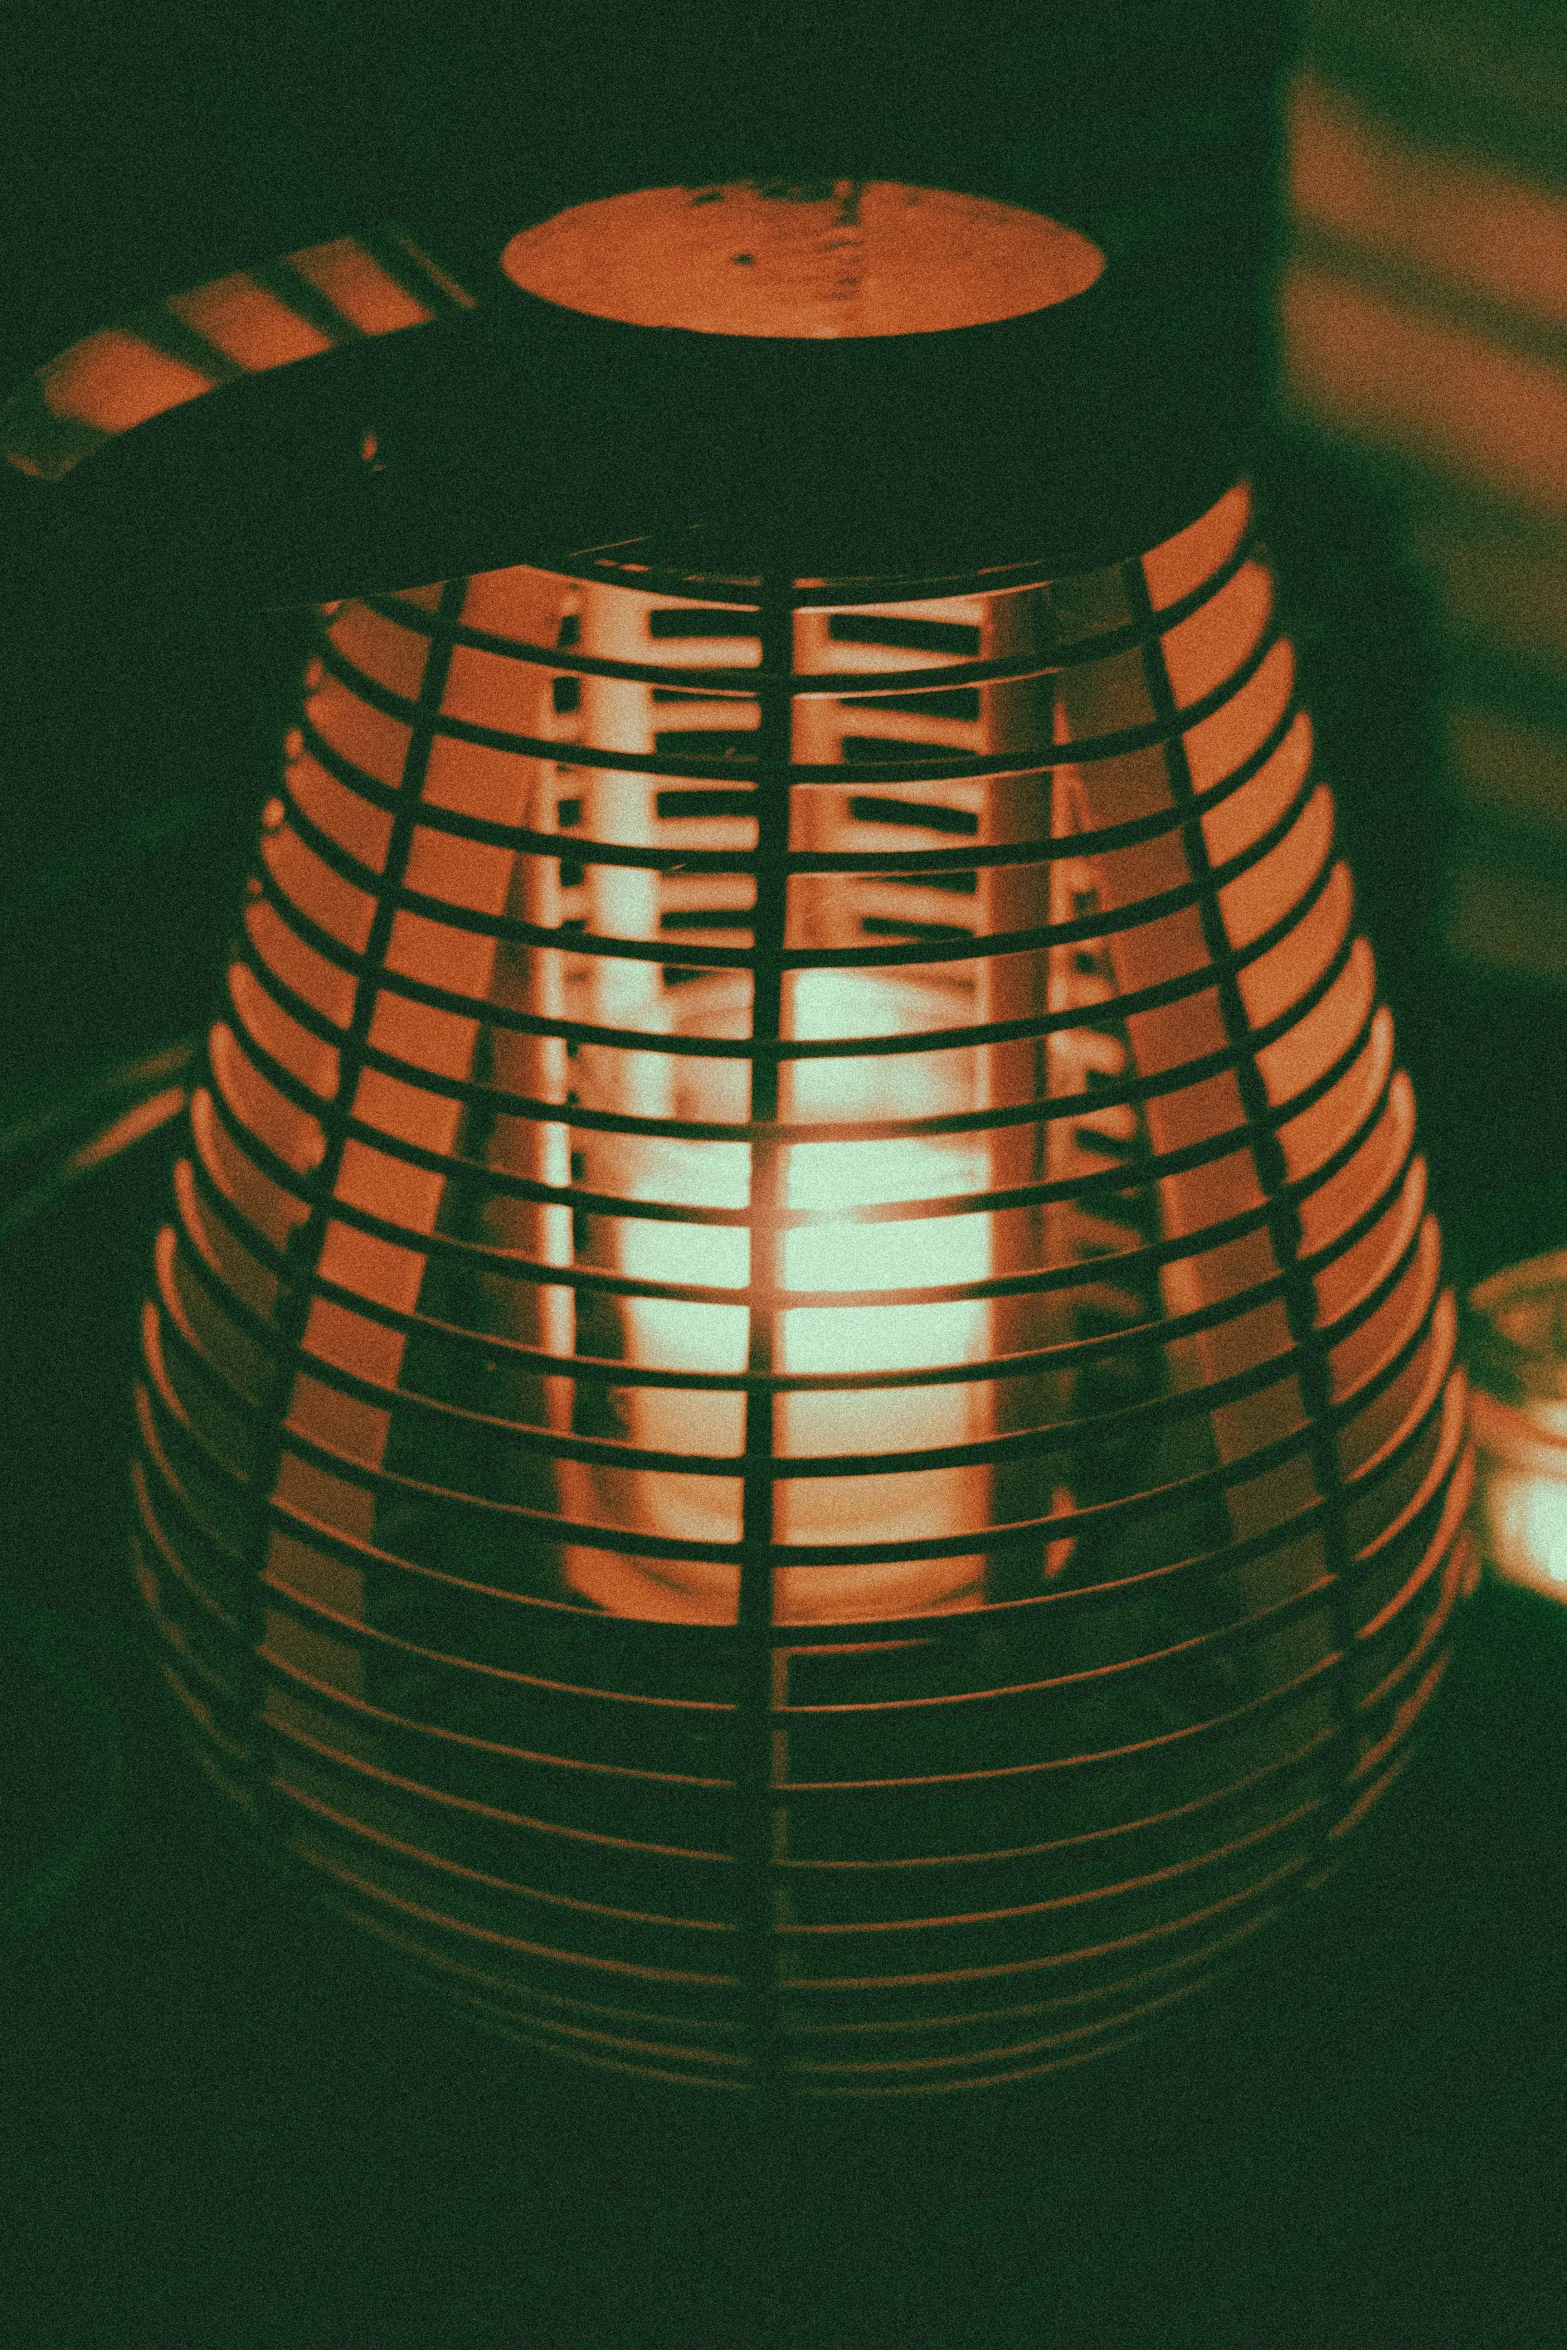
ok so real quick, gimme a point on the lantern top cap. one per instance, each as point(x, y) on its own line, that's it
point(900, 381)
point(822, 260)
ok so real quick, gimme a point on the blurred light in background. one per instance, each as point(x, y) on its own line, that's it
point(1424, 324)
point(1518, 1356)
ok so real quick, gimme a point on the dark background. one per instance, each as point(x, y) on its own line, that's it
point(220, 2124)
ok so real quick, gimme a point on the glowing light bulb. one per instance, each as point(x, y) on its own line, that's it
point(845, 1251)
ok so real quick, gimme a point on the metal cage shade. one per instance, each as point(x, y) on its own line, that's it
point(799, 1420)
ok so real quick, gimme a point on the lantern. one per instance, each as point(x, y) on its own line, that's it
point(799, 1424)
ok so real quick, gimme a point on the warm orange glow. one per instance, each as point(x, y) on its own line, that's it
point(1419, 311)
point(1389, 370)
point(249, 324)
point(119, 378)
point(1423, 316)
point(803, 1279)
point(844, 1190)
point(357, 286)
point(1522, 1496)
point(114, 381)
point(1460, 224)
point(849, 257)
point(1518, 1411)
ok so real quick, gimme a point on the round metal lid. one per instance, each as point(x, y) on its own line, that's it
point(822, 260)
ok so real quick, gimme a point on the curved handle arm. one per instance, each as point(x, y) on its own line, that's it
point(246, 323)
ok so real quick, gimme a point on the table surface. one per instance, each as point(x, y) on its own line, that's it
point(225, 2125)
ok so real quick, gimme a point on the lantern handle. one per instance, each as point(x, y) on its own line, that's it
point(247, 322)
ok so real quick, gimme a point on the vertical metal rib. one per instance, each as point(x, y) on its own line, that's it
point(754, 1731)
